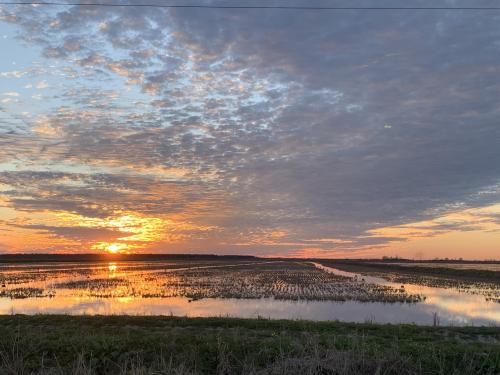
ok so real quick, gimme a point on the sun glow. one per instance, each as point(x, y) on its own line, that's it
point(137, 230)
point(122, 232)
point(114, 247)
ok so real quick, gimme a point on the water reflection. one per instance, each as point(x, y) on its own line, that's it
point(452, 306)
point(112, 267)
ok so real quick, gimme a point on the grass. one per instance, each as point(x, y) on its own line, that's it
point(54, 344)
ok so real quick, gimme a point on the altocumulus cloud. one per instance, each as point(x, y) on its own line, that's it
point(259, 122)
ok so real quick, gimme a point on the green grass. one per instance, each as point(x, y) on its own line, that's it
point(54, 344)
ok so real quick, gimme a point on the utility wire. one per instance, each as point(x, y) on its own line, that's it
point(282, 7)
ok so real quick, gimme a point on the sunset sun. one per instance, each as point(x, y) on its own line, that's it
point(114, 247)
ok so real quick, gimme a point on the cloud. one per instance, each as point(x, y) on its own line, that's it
point(79, 233)
point(12, 74)
point(42, 85)
point(320, 124)
point(101, 195)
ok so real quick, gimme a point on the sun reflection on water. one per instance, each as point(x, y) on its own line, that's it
point(112, 267)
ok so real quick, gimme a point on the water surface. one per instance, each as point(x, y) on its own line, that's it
point(452, 307)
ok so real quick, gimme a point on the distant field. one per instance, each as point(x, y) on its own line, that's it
point(474, 271)
point(169, 345)
point(459, 266)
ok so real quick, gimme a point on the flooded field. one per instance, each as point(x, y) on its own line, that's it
point(458, 266)
point(275, 289)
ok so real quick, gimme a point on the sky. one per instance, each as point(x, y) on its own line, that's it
point(341, 133)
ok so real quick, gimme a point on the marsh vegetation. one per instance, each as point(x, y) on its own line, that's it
point(281, 280)
point(278, 280)
point(474, 278)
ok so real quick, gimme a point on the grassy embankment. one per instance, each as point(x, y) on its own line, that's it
point(169, 345)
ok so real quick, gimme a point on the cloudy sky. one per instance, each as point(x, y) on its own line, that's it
point(352, 133)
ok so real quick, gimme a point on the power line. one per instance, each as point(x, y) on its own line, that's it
point(277, 7)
